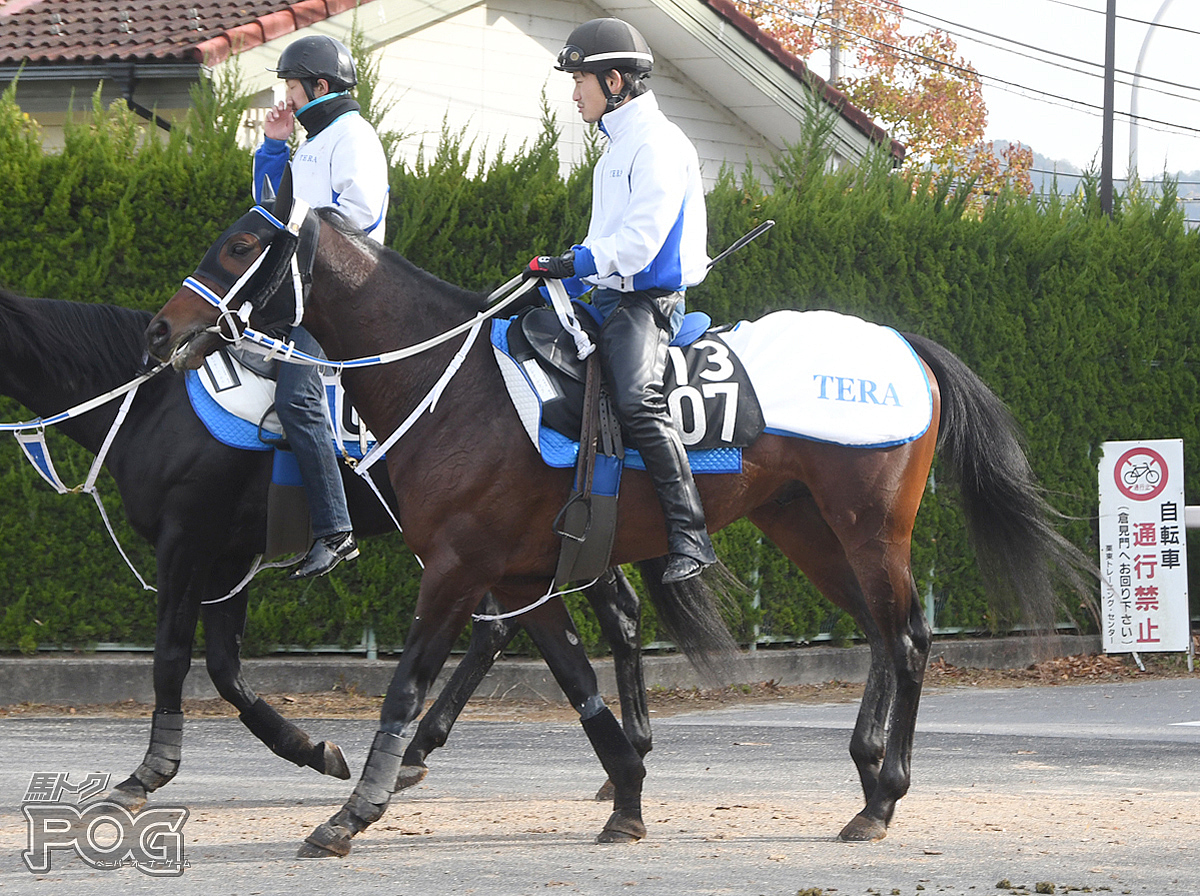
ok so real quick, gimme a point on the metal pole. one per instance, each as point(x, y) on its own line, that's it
point(1106, 142)
point(835, 44)
point(1137, 79)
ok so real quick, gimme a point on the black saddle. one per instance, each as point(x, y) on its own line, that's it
point(546, 338)
point(536, 334)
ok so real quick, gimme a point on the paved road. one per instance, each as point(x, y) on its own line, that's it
point(1082, 786)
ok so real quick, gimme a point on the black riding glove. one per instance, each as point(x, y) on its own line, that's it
point(552, 267)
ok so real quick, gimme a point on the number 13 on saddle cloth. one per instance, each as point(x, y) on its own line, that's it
point(816, 375)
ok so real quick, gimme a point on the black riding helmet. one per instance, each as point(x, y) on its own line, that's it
point(316, 57)
point(602, 45)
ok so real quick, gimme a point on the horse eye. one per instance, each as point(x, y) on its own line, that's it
point(241, 249)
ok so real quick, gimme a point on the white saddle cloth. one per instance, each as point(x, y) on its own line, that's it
point(834, 378)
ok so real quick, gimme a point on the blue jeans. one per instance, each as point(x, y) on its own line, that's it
point(300, 404)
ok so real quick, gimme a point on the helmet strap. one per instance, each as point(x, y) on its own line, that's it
point(614, 99)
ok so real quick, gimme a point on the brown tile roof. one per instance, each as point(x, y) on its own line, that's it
point(88, 32)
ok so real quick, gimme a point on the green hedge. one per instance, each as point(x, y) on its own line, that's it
point(1083, 324)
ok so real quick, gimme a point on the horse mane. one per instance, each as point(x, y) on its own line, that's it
point(79, 341)
point(476, 301)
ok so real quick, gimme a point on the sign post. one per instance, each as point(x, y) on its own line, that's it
point(1143, 548)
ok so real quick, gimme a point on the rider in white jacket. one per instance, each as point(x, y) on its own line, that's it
point(645, 245)
point(649, 226)
point(341, 164)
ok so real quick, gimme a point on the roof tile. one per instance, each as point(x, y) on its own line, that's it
point(73, 32)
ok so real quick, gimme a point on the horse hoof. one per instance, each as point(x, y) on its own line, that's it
point(606, 792)
point(333, 762)
point(126, 799)
point(326, 841)
point(622, 829)
point(410, 776)
point(863, 830)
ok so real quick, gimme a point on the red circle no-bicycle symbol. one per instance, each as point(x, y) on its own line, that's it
point(1141, 473)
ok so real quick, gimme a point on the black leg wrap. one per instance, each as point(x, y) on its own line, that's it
point(366, 803)
point(162, 758)
point(618, 757)
point(378, 781)
point(626, 771)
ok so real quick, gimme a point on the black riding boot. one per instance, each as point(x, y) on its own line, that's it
point(633, 353)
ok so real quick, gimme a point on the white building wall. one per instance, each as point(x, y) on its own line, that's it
point(484, 70)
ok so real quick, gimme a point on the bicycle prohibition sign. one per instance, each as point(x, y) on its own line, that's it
point(1140, 473)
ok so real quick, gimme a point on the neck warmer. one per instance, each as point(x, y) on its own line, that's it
point(320, 113)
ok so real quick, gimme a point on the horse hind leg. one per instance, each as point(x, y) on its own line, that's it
point(553, 632)
point(618, 610)
point(908, 656)
point(879, 748)
point(488, 639)
point(223, 625)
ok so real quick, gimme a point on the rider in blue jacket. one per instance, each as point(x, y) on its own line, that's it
point(341, 164)
point(645, 245)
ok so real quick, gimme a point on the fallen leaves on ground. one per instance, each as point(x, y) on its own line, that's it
point(342, 703)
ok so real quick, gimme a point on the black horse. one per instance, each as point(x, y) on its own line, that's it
point(56, 354)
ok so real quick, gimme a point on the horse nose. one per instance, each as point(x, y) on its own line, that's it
point(158, 337)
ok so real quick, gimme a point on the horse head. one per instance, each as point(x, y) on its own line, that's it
point(259, 269)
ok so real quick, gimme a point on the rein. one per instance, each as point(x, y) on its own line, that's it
point(277, 349)
point(271, 348)
point(31, 436)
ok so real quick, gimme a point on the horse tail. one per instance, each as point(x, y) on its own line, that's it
point(690, 614)
point(1024, 558)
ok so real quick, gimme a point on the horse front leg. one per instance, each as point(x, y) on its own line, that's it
point(224, 625)
point(906, 655)
point(552, 630)
point(443, 607)
point(618, 610)
point(488, 640)
point(175, 630)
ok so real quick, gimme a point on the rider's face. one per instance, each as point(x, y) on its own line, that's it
point(294, 94)
point(589, 96)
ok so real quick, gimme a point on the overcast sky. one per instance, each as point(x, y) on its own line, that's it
point(1053, 103)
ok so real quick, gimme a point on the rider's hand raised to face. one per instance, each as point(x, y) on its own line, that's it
point(280, 122)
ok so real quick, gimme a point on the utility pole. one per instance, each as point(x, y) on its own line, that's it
point(1106, 140)
point(835, 42)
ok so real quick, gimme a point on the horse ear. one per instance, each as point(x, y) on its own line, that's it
point(283, 199)
point(267, 194)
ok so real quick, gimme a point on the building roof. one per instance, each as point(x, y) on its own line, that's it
point(50, 36)
point(88, 32)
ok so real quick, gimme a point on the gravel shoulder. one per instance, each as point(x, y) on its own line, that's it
point(352, 704)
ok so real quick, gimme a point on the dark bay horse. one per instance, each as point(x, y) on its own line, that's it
point(56, 354)
point(477, 503)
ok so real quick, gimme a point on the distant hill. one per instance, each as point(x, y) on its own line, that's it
point(1050, 174)
point(1047, 174)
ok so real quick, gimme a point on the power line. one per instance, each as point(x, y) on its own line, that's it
point(1121, 180)
point(1095, 74)
point(1000, 83)
point(1101, 12)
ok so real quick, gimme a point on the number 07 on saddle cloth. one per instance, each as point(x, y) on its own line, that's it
point(816, 375)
